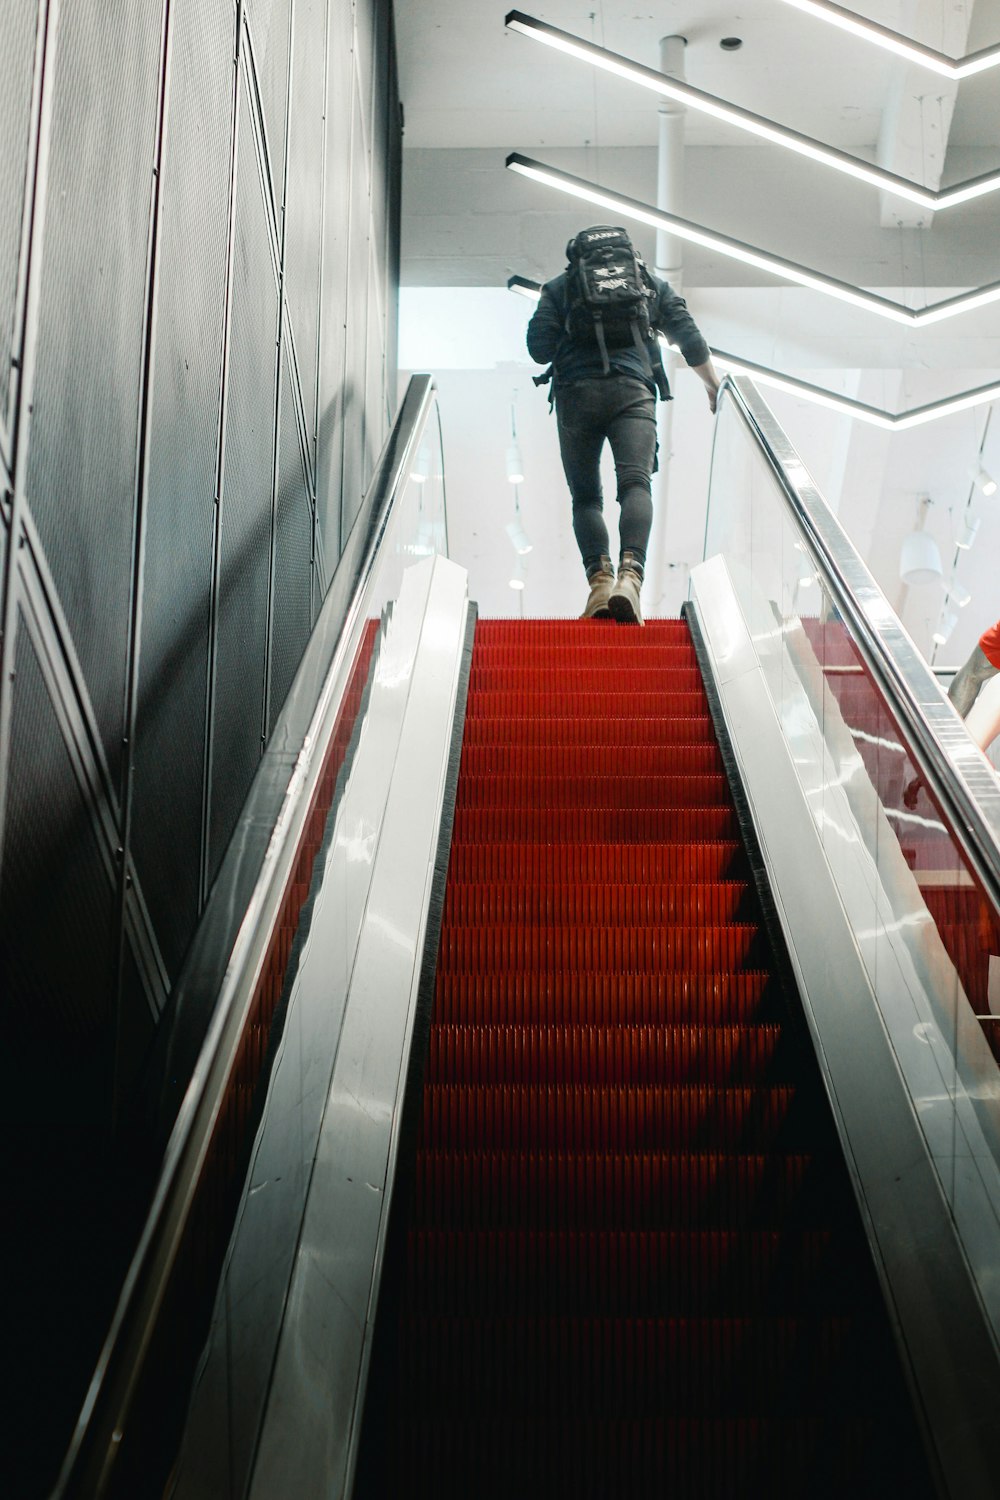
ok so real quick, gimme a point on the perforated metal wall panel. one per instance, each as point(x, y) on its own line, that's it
point(268, 22)
point(359, 228)
point(304, 206)
point(137, 1024)
point(20, 22)
point(375, 370)
point(365, 28)
point(246, 505)
point(291, 609)
point(57, 935)
point(187, 372)
point(333, 315)
point(82, 459)
point(379, 156)
point(79, 1018)
point(391, 251)
point(54, 882)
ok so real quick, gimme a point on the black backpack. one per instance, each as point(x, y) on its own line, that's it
point(612, 299)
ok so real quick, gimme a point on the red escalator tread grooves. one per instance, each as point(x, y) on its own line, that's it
point(610, 1117)
point(600, 1054)
point(516, 864)
point(617, 949)
point(615, 999)
point(709, 902)
point(605, 729)
point(619, 1273)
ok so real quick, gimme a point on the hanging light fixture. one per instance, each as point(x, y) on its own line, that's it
point(919, 558)
point(958, 594)
point(945, 627)
point(516, 580)
point(984, 481)
point(969, 531)
point(519, 539)
point(515, 463)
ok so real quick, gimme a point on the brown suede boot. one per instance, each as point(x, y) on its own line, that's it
point(623, 601)
point(601, 584)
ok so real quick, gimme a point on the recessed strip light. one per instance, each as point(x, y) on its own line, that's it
point(947, 408)
point(846, 405)
point(743, 119)
point(732, 364)
point(893, 41)
point(722, 244)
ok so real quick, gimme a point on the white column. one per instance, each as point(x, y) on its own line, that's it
point(669, 267)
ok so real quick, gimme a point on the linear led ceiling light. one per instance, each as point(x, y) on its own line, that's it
point(723, 244)
point(818, 395)
point(893, 41)
point(743, 119)
point(873, 415)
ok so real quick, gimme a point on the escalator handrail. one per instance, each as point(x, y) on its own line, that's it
point(955, 770)
point(284, 785)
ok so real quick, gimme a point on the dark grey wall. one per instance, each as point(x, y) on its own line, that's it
point(198, 273)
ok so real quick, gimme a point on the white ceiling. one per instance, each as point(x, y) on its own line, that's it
point(467, 82)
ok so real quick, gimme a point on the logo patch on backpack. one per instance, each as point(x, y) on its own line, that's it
point(611, 297)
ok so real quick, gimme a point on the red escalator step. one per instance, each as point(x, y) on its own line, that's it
point(652, 825)
point(614, 680)
point(580, 703)
point(563, 729)
point(616, 1118)
point(599, 998)
point(656, 864)
point(598, 1456)
point(626, 1366)
point(594, 761)
point(661, 1274)
point(640, 1055)
point(640, 905)
point(551, 636)
point(649, 1190)
point(609, 949)
point(633, 787)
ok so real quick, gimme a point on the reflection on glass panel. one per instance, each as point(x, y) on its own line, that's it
point(420, 526)
point(915, 907)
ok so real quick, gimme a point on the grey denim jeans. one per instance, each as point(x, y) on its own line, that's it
point(620, 410)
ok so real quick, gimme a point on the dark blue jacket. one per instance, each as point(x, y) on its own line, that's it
point(548, 341)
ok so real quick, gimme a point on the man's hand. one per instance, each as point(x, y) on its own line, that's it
point(710, 379)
